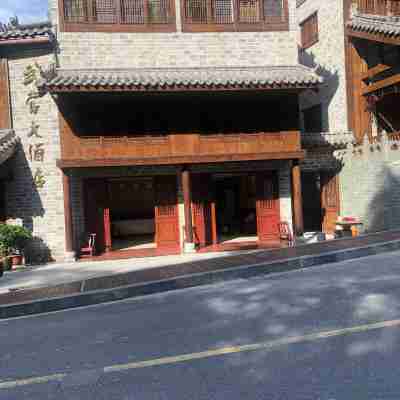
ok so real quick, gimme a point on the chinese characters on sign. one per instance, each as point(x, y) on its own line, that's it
point(36, 152)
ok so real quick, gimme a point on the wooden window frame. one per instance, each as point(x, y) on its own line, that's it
point(271, 24)
point(119, 26)
point(308, 36)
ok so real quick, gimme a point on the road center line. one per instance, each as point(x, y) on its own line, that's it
point(270, 345)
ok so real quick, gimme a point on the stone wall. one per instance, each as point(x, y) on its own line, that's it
point(328, 57)
point(135, 50)
point(39, 209)
point(370, 184)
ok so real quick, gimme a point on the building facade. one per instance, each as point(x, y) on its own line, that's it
point(355, 145)
point(164, 126)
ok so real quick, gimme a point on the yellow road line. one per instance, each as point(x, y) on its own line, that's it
point(270, 345)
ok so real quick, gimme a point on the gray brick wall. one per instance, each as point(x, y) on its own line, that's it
point(130, 50)
point(328, 57)
point(370, 185)
point(39, 209)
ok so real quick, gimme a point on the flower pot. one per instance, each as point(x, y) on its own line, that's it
point(16, 259)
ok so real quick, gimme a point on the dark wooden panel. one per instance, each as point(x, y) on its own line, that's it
point(167, 220)
point(202, 189)
point(2, 202)
point(97, 213)
point(329, 200)
point(5, 111)
point(267, 206)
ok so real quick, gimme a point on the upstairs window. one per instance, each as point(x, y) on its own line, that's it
point(234, 15)
point(309, 31)
point(118, 15)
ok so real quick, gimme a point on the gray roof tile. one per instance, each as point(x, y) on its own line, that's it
point(161, 78)
point(388, 26)
point(8, 143)
point(27, 32)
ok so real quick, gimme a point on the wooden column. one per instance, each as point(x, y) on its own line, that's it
point(187, 199)
point(69, 248)
point(298, 224)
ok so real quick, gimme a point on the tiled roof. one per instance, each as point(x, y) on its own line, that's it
point(8, 142)
point(27, 32)
point(375, 24)
point(185, 78)
point(329, 139)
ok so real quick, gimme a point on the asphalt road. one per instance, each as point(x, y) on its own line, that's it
point(325, 333)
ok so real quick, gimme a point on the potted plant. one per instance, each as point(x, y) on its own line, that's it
point(13, 241)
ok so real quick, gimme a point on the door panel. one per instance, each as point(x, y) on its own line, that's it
point(97, 213)
point(202, 199)
point(329, 200)
point(167, 221)
point(267, 207)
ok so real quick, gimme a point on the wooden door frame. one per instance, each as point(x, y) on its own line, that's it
point(335, 176)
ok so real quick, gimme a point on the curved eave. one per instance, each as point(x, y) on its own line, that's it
point(8, 144)
point(174, 88)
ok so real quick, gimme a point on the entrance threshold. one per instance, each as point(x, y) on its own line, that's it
point(136, 253)
point(240, 245)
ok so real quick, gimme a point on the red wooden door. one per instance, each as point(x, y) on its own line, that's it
point(267, 206)
point(330, 204)
point(202, 199)
point(97, 213)
point(166, 212)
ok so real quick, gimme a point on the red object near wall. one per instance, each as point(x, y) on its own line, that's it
point(267, 206)
point(97, 213)
point(202, 192)
point(166, 212)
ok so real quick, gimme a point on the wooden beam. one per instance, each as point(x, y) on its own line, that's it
point(378, 69)
point(187, 200)
point(113, 162)
point(67, 213)
point(297, 200)
point(375, 37)
point(392, 80)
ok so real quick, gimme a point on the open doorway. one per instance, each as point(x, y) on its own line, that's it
point(235, 196)
point(132, 215)
point(312, 212)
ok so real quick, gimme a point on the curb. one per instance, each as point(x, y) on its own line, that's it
point(80, 298)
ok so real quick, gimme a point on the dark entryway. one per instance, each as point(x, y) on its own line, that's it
point(312, 213)
point(321, 203)
point(236, 206)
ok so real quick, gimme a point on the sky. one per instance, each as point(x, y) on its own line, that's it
point(28, 11)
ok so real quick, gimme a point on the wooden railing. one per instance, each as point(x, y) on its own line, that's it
point(178, 146)
point(379, 7)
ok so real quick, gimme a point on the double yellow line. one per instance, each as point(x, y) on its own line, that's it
point(261, 346)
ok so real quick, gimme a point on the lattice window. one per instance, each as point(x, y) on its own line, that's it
point(105, 11)
point(196, 11)
point(132, 11)
point(222, 11)
point(158, 11)
point(249, 11)
point(75, 10)
point(273, 8)
point(309, 31)
point(234, 14)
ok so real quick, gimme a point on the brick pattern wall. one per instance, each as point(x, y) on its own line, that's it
point(39, 209)
point(370, 185)
point(328, 56)
point(135, 50)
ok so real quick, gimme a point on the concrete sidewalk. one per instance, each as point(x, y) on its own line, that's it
point(59, 273)
point(81, 284)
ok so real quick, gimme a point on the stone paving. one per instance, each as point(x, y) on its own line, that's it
point(157, 268)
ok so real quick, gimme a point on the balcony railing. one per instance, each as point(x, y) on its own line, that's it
point(192, 146)
point(379, 7)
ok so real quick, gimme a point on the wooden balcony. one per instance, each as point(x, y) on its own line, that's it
point(378, 7)
point(176, 149)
